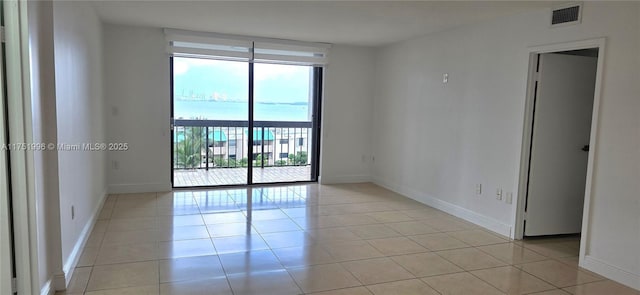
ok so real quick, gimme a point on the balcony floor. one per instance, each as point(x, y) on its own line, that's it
point(228, 176)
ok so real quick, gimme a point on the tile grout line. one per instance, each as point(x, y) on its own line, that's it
point(367, 240)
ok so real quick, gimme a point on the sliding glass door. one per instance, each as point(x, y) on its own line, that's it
point(283, 123)
point(240, 123)
point(210, 120)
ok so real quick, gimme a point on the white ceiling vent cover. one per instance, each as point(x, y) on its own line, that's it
point(568, 14)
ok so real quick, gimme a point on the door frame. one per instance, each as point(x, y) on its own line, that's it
point(525, 154)
point(7, 257)
point(317, 84)
point(21, 161)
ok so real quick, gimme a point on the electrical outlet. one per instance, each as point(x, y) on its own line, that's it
point(367, 159)
point(509, 198)
point(479, 189)
point(499, 194)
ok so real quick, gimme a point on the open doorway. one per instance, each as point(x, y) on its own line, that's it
point(558, 144)
point(563, 106)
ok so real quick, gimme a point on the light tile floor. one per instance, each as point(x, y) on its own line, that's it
point(229, 176)
point(314, 239)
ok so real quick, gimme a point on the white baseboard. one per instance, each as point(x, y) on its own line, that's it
point(61, 281)
point(46, 288)
point(455, 210)
point(334, 179)
point(609, 271)
point(139, 188)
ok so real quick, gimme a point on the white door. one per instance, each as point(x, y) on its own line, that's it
point(561, 129)
point(6, 254)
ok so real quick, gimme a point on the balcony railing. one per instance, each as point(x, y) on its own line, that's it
point(206, 144)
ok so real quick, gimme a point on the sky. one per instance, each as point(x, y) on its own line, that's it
point(227, 80)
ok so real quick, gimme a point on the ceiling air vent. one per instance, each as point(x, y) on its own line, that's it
point(566, 15)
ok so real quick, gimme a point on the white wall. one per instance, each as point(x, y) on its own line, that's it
point(79, 106)
point(469, 131)
point(346, 115)
point(43, 104)
point(137, 99)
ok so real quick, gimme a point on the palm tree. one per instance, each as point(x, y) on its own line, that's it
point(189, 149)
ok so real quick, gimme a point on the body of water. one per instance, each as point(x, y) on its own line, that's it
point(226, 110)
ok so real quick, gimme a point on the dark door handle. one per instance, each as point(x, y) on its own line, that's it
point(585, 148)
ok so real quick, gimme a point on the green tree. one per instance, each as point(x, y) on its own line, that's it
point(232, 162)
point(244, 162)
point(220, 162)
point(281, 163)
point(258, 160)
point(300, 158)
point(189, 149)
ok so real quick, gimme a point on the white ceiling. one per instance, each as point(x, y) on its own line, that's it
point(370, 23)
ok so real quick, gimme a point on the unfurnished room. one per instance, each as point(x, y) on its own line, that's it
point(319, 147)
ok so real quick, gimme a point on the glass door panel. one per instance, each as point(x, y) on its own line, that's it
point(283, 123)
point(210, 122)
